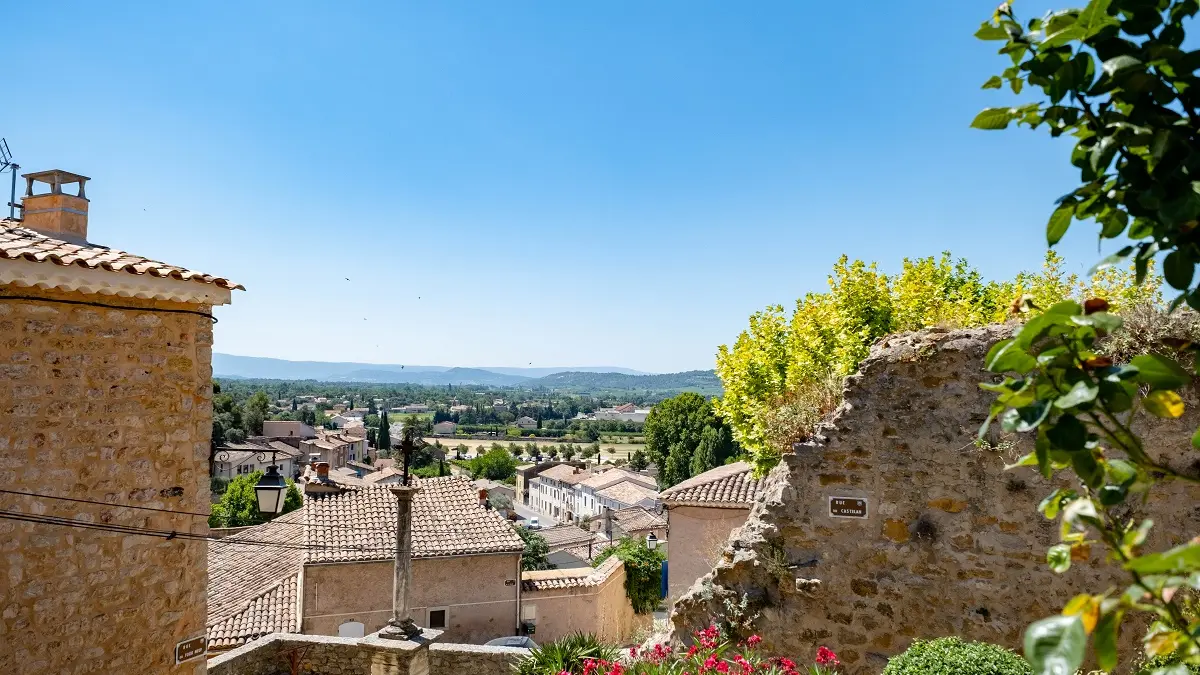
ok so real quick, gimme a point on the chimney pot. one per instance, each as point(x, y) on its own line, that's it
point(323, 469)
point(56, 213)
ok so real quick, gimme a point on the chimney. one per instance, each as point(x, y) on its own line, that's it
point(323, 471)
point(56, 213)
point(483, 498)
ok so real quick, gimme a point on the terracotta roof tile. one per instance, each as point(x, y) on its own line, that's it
point(726, 486)
point(565, 473)
point(241, 574)
point(359, 523)
point(17, 242)
point(544, 580)
point(638, 519)
point(628, 492)
point(274, 611)
point(563, 536)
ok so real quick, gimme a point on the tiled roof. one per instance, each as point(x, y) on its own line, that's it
point(447, 520)
point(612, 476)
point(544, 580)
point(627, 492)
point(285, 449)
point(386, 472)
point(21, 243)
point(637, 519)
point(564, 536)
point(731, 485)
point(241, 575)
point(565, 473)
point(274, 611)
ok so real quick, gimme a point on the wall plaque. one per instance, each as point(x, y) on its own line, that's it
point(191, 649)
point(848, 507)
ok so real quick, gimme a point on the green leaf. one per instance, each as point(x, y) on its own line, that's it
point(1160, 372)
point(1100, 320)
point(1114, 259)
point(1060, 220)
point(1179, 560)
point(1087, 468)
point(1094, 18)
point(1068, 434)
point(1164, 403)
point(1059, 558)
point(1083, 392)
point(1120, 471)
point(990, 32)
point(1005, 356)
point(1051, 505)
point(1066, 308)
point(1178, 270)
point(1104, 639)
point(1102, 154)
point(1029, 459)
point(994, 118)
point(1055, 644)
point(994, 82)
point(1021, 420)
point(1196, 440)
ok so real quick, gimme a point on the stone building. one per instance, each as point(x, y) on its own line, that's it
point(891, 524)
point(701, 513)
point(560, 602)
point(105, 396)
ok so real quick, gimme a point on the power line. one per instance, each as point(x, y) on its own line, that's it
point(106, 305)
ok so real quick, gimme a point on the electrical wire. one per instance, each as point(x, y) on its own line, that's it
point(106, 305)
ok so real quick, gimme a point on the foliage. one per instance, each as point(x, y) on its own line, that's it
point(674, 431)
point(1079, 405)
point(784, 373)
point(643, 572)
point(638, 461)
point(952, 656)
point(1114, 76)
point(496, 464)
point(239, 505)
point(536, 550)
point(566, 655)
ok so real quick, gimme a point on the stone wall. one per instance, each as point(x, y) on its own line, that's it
point(110, 405)
point(951, 545)
point(317, 654)
point(602, 609)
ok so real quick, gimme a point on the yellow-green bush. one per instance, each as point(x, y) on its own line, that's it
point(784, 372)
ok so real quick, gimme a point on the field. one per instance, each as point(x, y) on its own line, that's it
point(608, 450)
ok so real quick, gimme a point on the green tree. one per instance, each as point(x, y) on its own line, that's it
point(496, 464)
point(569, 452)
point(715, 447)
point(239, 505)
point(643, 572)
point(384, 436)
point(536, 550)
point(674, 430)
point(638, 461)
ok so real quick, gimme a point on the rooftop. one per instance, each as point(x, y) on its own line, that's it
point(565, 473)
point(638, 519)
point(21, 243)
point(628, 492)
point(544, 580)
point(565, 536)
point(447, 520)
point(729, 486)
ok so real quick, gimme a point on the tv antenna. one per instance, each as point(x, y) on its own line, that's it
point(6, 164)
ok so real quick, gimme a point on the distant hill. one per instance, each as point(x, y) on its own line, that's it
point(702, 381)
point(258, 367)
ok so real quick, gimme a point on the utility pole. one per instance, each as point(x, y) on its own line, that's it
point(401, 625)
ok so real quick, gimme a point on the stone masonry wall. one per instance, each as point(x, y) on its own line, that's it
point(109, 405)
point(371, 655)
point(951, 545)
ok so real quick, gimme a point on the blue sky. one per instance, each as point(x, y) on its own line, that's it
point(528, 183)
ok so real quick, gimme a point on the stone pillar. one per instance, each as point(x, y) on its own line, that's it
point(401, 625)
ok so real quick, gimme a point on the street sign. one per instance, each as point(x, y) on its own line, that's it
point(848, 507)
point(191, 649)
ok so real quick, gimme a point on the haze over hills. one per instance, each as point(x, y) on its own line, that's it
point(229, 365)
point(586, 379)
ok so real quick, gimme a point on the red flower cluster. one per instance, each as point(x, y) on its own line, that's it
point(826, 658)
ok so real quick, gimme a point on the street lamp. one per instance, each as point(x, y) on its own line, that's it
point(271, 491)
point(651, 541)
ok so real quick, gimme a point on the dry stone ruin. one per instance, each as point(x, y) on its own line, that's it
point(891, 524)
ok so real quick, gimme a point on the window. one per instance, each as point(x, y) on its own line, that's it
point(437, 617)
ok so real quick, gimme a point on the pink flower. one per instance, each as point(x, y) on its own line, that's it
point(826, 657)
point(723, 667)
point(753, 641)
point(710, 662)
point(633, 652)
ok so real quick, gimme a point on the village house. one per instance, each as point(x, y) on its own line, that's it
point(614, 489)
point(702, 511)
point(106, 384)
point(552, 492)
point(526, 423)
point(444, 428)
point(341, 583)
point(231, 460)
point(334, 448)
point(623, 413)
point(287, 429)
point(411, 409)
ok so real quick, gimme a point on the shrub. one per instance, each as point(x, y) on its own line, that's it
point(567, 654)
point(1163, 662)
point(952, 656)
point(643, 572)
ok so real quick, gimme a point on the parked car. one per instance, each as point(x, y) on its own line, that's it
point(533, 523)
point(515, 641)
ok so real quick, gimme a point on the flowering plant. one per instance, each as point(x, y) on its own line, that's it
point(711, 654)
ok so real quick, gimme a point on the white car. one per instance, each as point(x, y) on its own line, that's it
point(533, 523)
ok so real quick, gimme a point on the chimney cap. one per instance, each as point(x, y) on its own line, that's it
point(55, 178)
